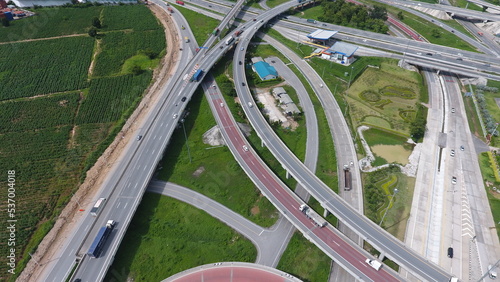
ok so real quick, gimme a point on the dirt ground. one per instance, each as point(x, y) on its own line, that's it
point(271, 109)
point(49, 248)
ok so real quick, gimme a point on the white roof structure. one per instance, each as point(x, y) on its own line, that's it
point(278, 91)
point(343, 48)
point(256, 59)
point(321, 34)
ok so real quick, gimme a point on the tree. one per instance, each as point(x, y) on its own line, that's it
point(96, 22)
point(435, 33)
point(379, 12)
point(136, 70)
point(92, 32)
point(5, 22)
point(149, 52)
point(401, 16)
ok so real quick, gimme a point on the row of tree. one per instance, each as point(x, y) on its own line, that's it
point(349, 14)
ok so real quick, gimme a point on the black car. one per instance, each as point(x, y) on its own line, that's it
point(450, 252)
point(183, 99)
point(429, 54)
point(240, 62)
point(243, 84)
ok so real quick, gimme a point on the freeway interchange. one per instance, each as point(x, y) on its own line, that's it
point(128, 183)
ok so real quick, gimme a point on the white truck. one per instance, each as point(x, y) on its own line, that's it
point(229, 40)
point(98, 206)
point(310, 213)
point(374, 263)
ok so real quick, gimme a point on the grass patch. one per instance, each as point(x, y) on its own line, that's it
point(424, 28)
point(167, 236)
point(140, 60)
point(459, 27)
point(399, 93)
point(222, 178)
point(374, 136)
point(274, 3)
point(473, 118)
point(446, 38)
point(493, 107)
point(202, 26)
point(493, 197)
point(304, 260)
point(380, 187)
point(464, 3)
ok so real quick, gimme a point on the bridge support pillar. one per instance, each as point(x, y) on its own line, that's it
point(262, 144)
point(381, 256)
point(287, 175)
point(325, 213)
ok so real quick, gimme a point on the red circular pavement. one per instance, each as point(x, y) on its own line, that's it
point(231, 271)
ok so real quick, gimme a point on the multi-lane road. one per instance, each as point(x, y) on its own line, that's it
point(129, 186)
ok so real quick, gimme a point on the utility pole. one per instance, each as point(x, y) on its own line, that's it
point(390, 201)
point(350, 76)
point(185, 137)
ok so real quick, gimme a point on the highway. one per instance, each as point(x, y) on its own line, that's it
point(372, 233)
point(147, 152)
point(301, 24)
point(129, 180)
point(328, 239)
point(466, 13)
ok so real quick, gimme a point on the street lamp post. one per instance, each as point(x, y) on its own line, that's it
point(185, 137)
point(350, 76)
point(387, 209)
point(495, 130)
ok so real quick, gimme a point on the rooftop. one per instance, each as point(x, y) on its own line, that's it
point(264, 69)
point(343, 48)
point(321, 34)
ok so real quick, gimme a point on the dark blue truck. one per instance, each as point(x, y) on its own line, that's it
point(197, 75)
point(99, 241)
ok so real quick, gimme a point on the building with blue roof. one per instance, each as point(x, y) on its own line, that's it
point(264, 70)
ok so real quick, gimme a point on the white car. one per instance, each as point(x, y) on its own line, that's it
point(453, 180)
point(221, 105)
point(452, 110)
point(175, 116)
point(245, 148)
point(452, 153)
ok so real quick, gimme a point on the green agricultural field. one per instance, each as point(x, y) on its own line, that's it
point(27, 114)
point(167, 236)
point(63, 66)
point(56, 120)
point(128, 17)
point(385, 97)
point(119, 46)
point(51, 22)
point(110, 97)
